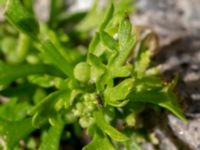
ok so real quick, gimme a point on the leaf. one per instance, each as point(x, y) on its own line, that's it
point(54, 57)
point(146, 82)
point(124, 33)
point(119, 92)
point(51, 138)
point(14, 111)
point(159, 97)
point(23, 45)
point(142, 63)
point(55, 101)
point(96, 46)
point(142, 56)
point(118, 103)
point(8, 47)
point(97, 68)
point(108, 129)
point(95, 41)
point(125, 6)
point(108, 41)
point(99, 142)
point(126, 42)
point(107, 17)
point(44, 81)
point(56, 8)
point(21, 18)
point(72, 55)
point(11, 132)
point(123, 71)
point(95, 62)
point(9, 73)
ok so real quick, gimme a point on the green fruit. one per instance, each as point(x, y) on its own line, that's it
point(90, 98)
point(70, 117)
point(82, 72)
point(86, 121)
point(79, 106)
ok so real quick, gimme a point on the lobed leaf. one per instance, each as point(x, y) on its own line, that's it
point(107, 17)
point(142, 63)
point(44, 81)
point(126, 42)
point(142, 56)
point(11, 132)
point(53, 56)
point(51, 138)
point(97, 68)
point(159, 97)
point(108, 129)
point(96, 46)
point(124, 33)
point(108, 41)
point(119, 92)
point(99, 142)
point(21, 18)
point(14, 110)
point(94, 43)
point(9, 73)
point(55, 101)
point(123, 71)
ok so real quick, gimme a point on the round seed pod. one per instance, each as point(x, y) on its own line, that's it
point(70, 117)
point(82, 72)
point(89, 107)
point(86, 121)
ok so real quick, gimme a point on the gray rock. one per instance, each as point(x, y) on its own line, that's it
point(79, 5)
point(42, 9)
point(177, 23)
point(170, 19)
point(183, 131)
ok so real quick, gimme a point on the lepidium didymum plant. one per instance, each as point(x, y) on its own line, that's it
point(92, 91)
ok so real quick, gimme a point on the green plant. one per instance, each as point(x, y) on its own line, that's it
point(55, 86)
